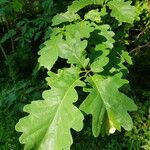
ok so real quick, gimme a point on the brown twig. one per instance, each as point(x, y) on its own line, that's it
point(139, 47)
point(142, 32)
point(147, 26)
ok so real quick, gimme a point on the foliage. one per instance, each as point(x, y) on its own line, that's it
point(12, 99)
point(103, 41)
point(91, 69)
point(139, 137)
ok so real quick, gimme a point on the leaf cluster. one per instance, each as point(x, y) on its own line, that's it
point(96, 64)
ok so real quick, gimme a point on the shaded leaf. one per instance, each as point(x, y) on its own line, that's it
point(8, 35)
point(102, 60)
point(104, 47)
point(17, 5)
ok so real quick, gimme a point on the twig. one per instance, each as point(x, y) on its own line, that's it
point(3, 51)
point(142, 32)
point(139, 47)
point(12, 42)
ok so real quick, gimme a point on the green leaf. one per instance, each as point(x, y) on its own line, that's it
point(2, 2)
point(107, 34)
point(49, 53)
point(50, 120)
point(93, 105)
point(126, 57)
point(71, 15)
point(103, 11)
point(8, 35)
point(93, 15)
point(117, 57)
point(17, 5)
point(122, 11)
point(105, 97)
point(79, 4)
point(82, 28)
point(64, 17)
point(73, 49)
point(102, 60)
point(104, 47)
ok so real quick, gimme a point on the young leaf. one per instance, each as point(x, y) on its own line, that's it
point(71, 15)
point(49, 122)
point(108, 98)
point(64, 17)
point(122, 11)
point(79, 4)
point(93, 15)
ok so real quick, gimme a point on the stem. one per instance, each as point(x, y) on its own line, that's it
point(3, 51)
point(12, 42)
point(12, 45)
point(139, 47)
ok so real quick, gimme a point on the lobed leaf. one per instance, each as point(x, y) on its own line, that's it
point(79, 4)
point(49, 53)
point(126, 57)
point(73, 49)
point(102, 60)
point(64, 17)
point(70, 15)
point(49, 122)
point(105, 45)
point(82, 29)
point(108, 99)
point(122, 11)
point(93, 15)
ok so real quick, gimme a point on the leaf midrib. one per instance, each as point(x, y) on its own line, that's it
point(60, 106)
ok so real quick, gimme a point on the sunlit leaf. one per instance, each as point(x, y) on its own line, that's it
point(49, 121)
point(122, 11)
point(105, 98)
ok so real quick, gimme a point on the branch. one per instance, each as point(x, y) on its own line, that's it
point(139, 47)
point(144, 30)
